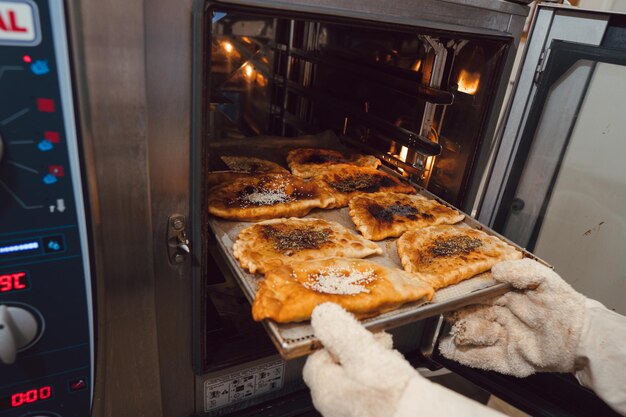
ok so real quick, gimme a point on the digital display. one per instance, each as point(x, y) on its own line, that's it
point(21, 247)
point(14, 282)
point(20, 399)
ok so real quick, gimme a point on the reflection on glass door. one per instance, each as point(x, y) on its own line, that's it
point(567, 203)
point(583, 233)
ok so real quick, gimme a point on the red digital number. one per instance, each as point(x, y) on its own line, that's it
point(18, 283)
point(17, 399)
point(6, 283)
point(31, 396)
point(10, 282)
point(45, 392)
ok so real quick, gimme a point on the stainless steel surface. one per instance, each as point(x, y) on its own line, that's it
point(441, 54)
point(477, 16)
point(133, 81)
point(550, 23)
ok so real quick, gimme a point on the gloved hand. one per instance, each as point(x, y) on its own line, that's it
point(536, 327)
point(357, 375)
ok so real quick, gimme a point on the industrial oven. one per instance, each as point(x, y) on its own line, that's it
point(116, 298)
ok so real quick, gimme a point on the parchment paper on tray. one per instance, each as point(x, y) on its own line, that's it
point(296, 339)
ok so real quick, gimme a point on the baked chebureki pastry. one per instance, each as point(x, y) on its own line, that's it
point(445, 255)
point(381, 215)
point(252, 164)
point(222, 177)
point(365, 288)
point(347, 181)
point(306, 162)
point(276, 242)
point(266, 196)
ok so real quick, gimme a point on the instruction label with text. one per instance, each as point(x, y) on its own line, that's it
point(243, 385)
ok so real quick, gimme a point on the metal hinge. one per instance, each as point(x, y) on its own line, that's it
point(178, 246)
point(541, 66)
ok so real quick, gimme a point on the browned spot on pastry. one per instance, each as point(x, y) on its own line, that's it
point(296, 239)
point(397, 209)
point(455, 245)
point(362, 182)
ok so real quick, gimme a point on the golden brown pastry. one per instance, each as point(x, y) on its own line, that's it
point(223, 177)
point(445, 255)
point(266, 196)
point(381, 215)
point(307, 162)
point(276, 242)
point(365, 288)
point(347, 181)
point(252, 164)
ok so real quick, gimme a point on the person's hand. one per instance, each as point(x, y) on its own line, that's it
point(357, 374)
point(535, 327)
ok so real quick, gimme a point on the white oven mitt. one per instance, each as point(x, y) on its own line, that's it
point(356, 375)
point(535, 327)
point(542, 325)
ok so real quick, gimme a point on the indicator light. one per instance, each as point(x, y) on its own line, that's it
point(45, 105)
point(40, 67)
point(53, 244)
point(52, 137)
point(56, 170)
point(77, 384)
point(27, 58)
point(44, 146)
point(27, 246)
point(49, 179)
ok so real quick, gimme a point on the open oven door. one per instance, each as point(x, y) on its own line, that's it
point(558, 181)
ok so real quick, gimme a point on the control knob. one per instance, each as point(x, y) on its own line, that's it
point(18, 328)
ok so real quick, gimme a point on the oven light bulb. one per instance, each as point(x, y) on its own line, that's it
point(228, 47)
point(248, 70)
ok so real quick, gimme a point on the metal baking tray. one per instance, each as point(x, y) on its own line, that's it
point(296, 339)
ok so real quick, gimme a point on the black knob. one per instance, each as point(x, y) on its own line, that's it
point(517, 205)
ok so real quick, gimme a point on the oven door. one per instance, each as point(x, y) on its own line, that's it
point(558, 183)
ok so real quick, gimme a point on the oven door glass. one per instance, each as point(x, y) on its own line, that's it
point(566, 196)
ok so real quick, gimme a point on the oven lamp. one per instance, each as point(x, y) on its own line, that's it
point(228, 47)
point(248, 70)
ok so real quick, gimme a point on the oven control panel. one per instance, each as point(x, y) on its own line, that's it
point(46, 314)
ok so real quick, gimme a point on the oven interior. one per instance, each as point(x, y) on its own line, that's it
point(417, 98)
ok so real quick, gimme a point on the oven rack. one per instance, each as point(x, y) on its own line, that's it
point(389, 131)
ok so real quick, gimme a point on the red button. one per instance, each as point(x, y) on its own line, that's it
point(77, 385)
point(52, 137)
point(56, 170)
point(45, 105)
